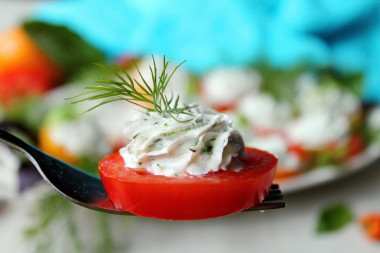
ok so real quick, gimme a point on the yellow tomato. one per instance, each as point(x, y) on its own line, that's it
point(48, 146)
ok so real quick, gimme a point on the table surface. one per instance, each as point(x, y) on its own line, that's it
point(286, 230)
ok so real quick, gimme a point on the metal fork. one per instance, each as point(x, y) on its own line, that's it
point(86, 190)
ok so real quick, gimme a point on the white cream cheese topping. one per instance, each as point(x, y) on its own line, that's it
point(164, 146)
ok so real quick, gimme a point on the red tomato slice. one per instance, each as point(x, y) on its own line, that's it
point(189, 197)
point(18, 50)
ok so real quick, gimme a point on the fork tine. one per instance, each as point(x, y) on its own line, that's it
point(275, 187)
point(266, 206)
point(273, 197)
point(273, 192)
point(268, 203)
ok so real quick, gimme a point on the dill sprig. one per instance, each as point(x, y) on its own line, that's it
point(137, 93)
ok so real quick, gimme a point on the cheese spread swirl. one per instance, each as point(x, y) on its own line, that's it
point(203, 142)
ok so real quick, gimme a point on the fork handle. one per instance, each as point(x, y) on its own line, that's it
point(73, 184)
point(18, 144)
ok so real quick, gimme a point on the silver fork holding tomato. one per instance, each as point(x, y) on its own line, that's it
point(87, 190)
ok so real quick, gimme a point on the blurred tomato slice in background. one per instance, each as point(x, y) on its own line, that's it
point(24, 69)
point(16, 84)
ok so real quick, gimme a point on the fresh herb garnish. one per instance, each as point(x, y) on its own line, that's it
point(334, 217)
point(140, 94)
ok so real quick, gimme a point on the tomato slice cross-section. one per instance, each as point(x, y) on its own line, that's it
point(189, 197)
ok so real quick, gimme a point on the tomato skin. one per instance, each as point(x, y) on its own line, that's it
point(189, 197)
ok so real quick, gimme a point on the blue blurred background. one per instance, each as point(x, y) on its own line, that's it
point(343, 34)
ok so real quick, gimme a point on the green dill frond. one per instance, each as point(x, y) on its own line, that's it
point(151, 98)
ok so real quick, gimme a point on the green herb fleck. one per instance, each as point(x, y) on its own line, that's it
point(134, 137)
point(169, 134)
point(207, 148)
point(186, 129)
point(334, 217)
point(242, 120)
point(174, 132)
point(154, 142)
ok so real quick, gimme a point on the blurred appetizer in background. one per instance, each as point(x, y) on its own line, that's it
point(309, 118)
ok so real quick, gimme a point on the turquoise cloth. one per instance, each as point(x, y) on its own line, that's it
point(208, 34)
